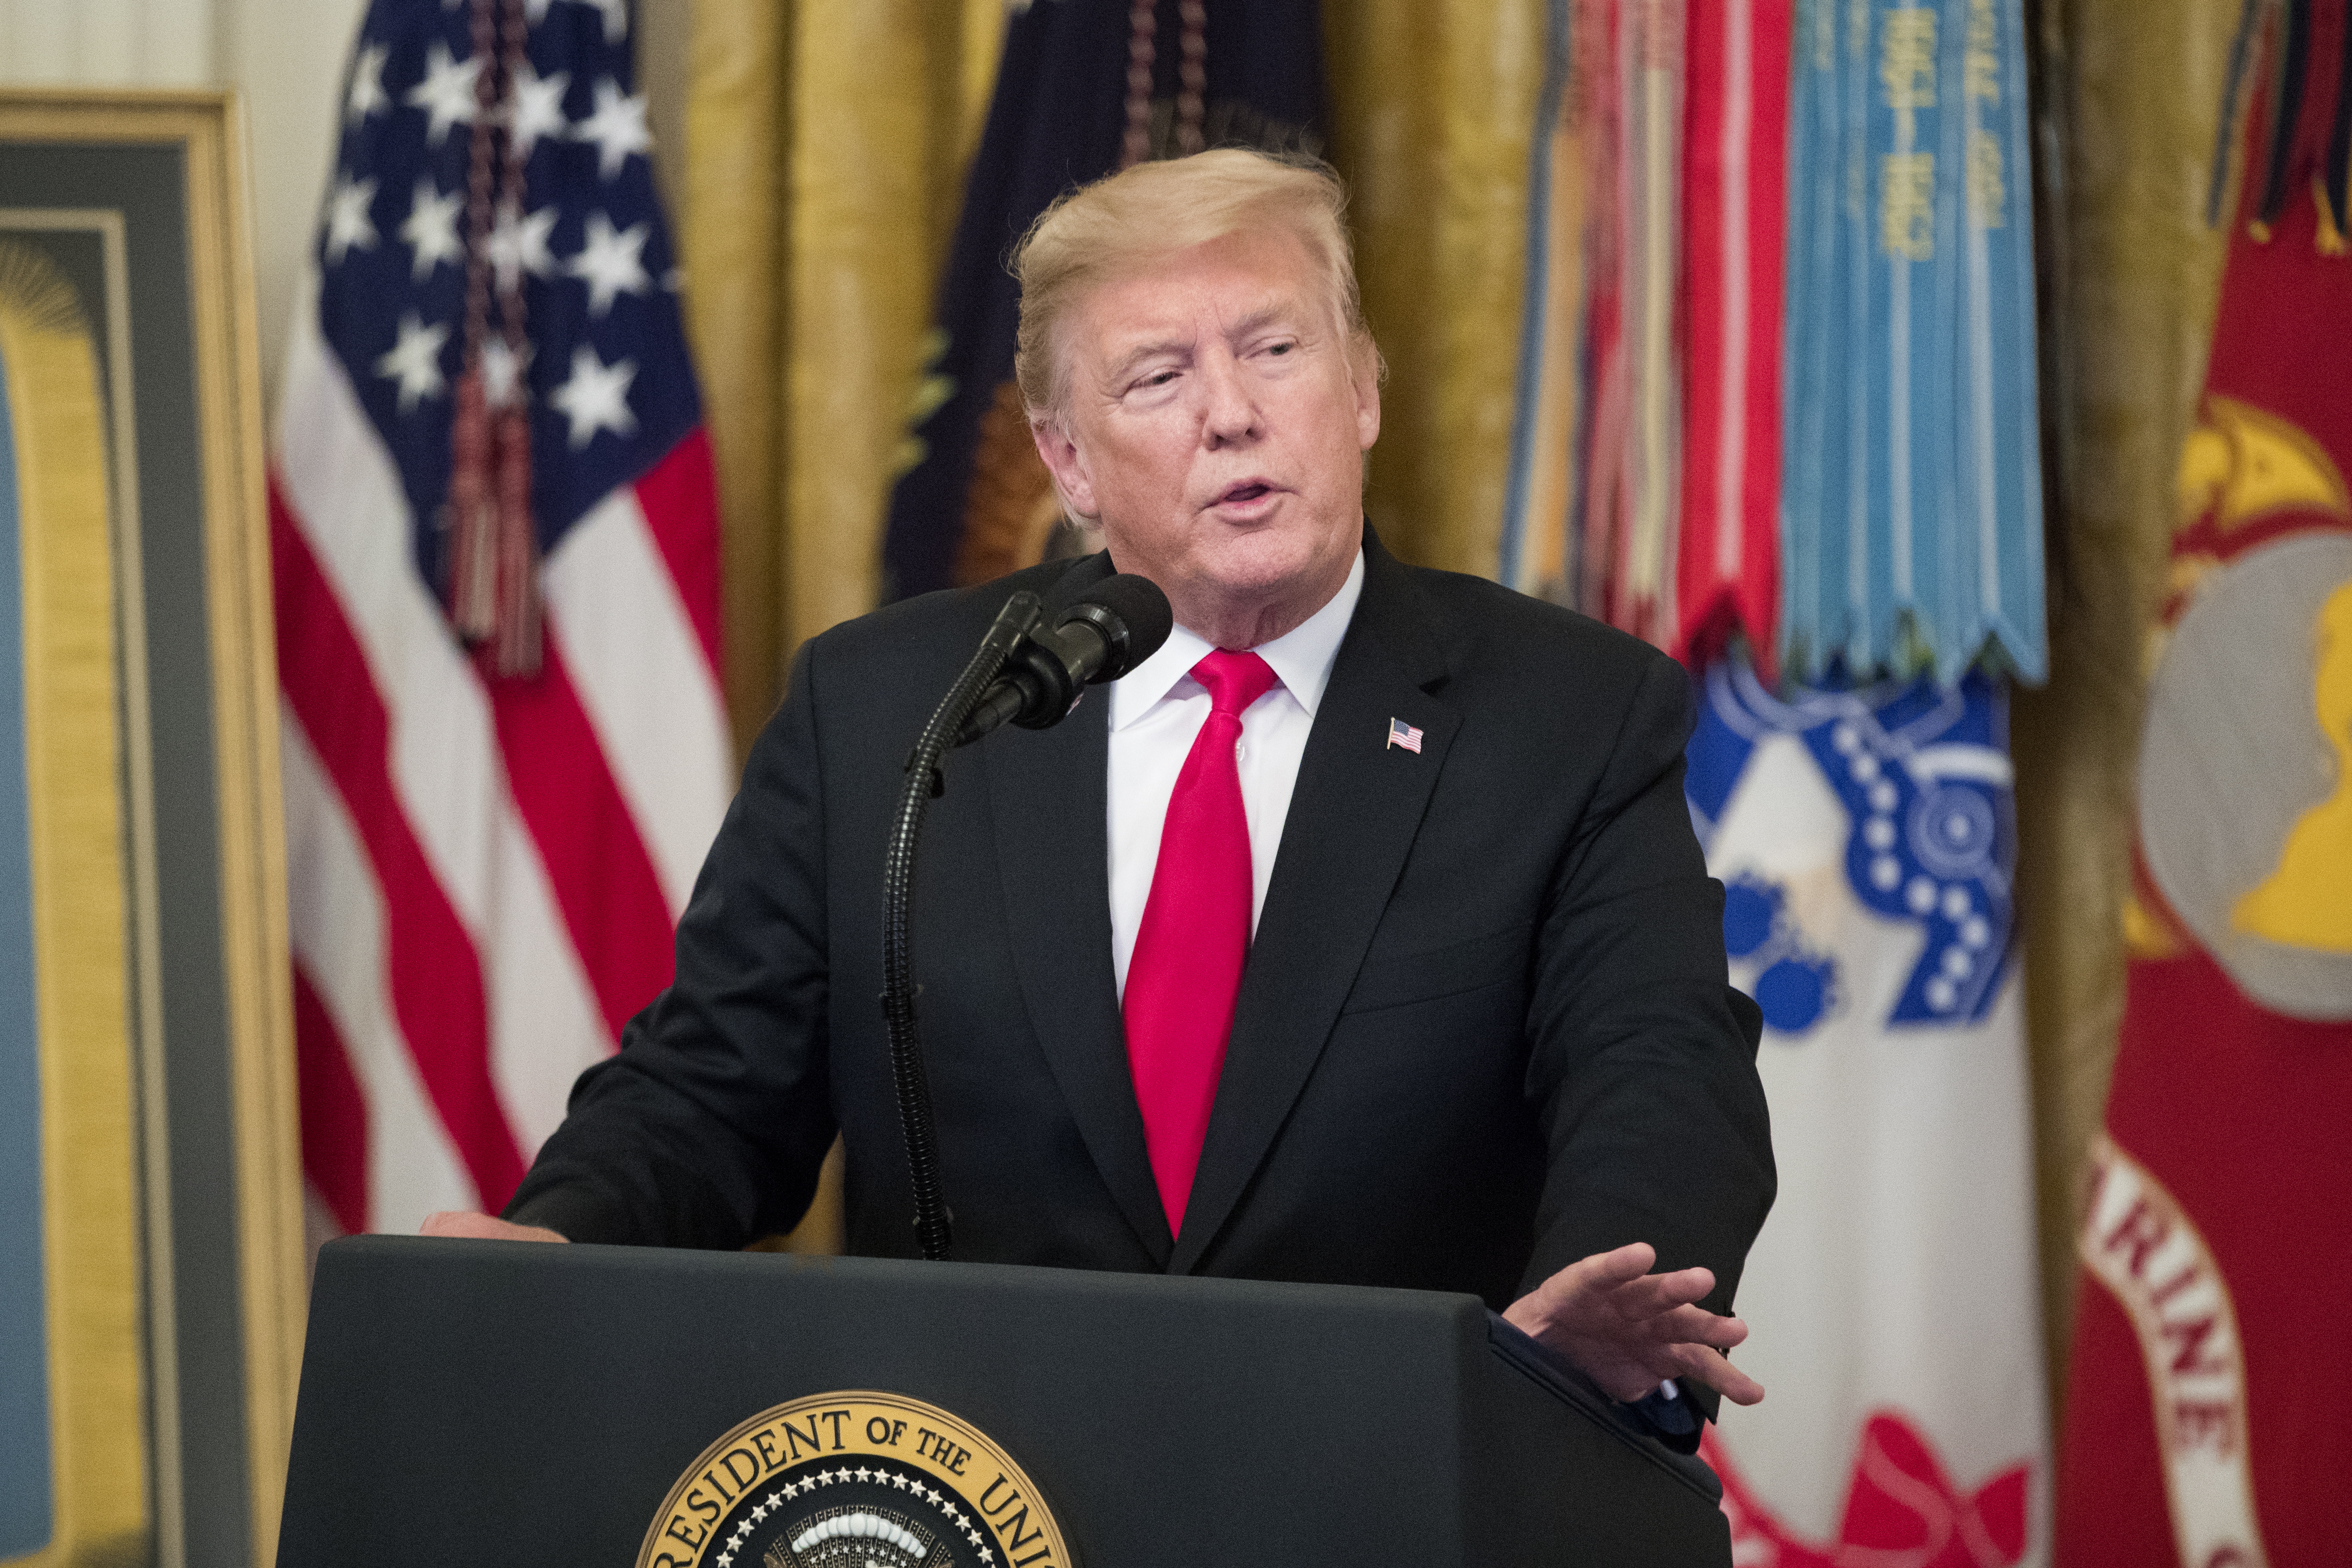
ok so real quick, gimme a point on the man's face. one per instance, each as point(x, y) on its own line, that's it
point(1216, 423)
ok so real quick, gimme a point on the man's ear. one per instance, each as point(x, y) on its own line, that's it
point(1364, 369)
point(1067, 467)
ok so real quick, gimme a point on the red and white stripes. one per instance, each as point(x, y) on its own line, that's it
point(485, 875)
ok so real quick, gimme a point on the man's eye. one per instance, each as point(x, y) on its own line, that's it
point(1156, 378)
point(1280, 348)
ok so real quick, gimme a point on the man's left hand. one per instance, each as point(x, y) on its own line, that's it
point(1630, 1330)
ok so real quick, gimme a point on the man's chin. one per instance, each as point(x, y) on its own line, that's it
point(1242, 578)
point(1243, 575)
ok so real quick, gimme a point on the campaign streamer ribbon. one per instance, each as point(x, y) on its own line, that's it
point(1912, 504)
point(1600, 42)
point(1813, 331)
point(1996, 559)
point(1538, 545)
point(1906, 193)
point(1653, 105)
point(1735, 236)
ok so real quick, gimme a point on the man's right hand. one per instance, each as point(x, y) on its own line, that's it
point(1629, 1330)
point(485, 1228)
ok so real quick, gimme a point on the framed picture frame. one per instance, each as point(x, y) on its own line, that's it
point(151, 1245)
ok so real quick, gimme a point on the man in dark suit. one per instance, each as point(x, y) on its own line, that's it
point(1482, 1038)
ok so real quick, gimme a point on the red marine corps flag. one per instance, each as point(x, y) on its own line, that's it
point(2206, 1423)
point(495, 551)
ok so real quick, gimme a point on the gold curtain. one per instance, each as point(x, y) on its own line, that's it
point(1432, 110)
point(2135, 86)
point(826, 146)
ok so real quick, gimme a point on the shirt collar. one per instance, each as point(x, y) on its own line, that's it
point(1301, 657)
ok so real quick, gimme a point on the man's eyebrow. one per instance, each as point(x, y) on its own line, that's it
point(1266, 314)
point(1254, 322)
point(1145, 350)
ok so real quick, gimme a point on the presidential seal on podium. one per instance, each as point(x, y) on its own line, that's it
point(853, 1479)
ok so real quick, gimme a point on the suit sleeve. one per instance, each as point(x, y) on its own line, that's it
point(1643, 1067)
point(708, 1128)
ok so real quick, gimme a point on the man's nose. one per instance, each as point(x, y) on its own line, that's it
point(1229, 412)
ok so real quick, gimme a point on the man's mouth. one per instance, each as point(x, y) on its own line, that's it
point(1245, 492)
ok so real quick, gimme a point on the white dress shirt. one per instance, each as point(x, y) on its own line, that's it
point(1156, 711)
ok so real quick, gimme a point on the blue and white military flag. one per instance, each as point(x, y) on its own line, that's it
point(1867, 847)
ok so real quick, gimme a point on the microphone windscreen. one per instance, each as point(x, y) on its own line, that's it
point(1141, 609)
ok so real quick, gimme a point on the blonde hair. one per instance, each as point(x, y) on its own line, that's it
point(1153, 209)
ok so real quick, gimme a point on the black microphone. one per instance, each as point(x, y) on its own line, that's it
point(1120, 622)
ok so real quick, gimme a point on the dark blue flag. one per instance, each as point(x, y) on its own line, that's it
point(974, 502)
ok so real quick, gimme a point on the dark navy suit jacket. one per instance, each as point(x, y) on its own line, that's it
point(1484, 1028)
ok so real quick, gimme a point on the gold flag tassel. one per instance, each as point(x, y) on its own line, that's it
point(2245, 53)
point(493, 544)
point(1142, 54)
point(2289, 81)
point(2335, 164)
point(517, 647)
point(2331, 220)
point(517, 641)
point(471, 515)
point(1192, 76)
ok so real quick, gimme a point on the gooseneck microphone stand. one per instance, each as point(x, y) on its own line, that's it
point(1024, 674)
point(933, 1224)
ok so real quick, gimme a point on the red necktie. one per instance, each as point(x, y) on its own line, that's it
point(1187, 966)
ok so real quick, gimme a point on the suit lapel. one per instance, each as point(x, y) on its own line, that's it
point(1046, 793)
point(1354, 813)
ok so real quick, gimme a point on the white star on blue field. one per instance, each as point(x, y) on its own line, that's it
point(603, 371)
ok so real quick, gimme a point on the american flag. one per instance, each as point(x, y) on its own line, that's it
point(1403, 734)
point(485, 868)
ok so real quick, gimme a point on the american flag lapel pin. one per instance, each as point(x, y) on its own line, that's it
point(1403, 734)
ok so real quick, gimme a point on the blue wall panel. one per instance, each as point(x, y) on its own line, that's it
point(25, 1521)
